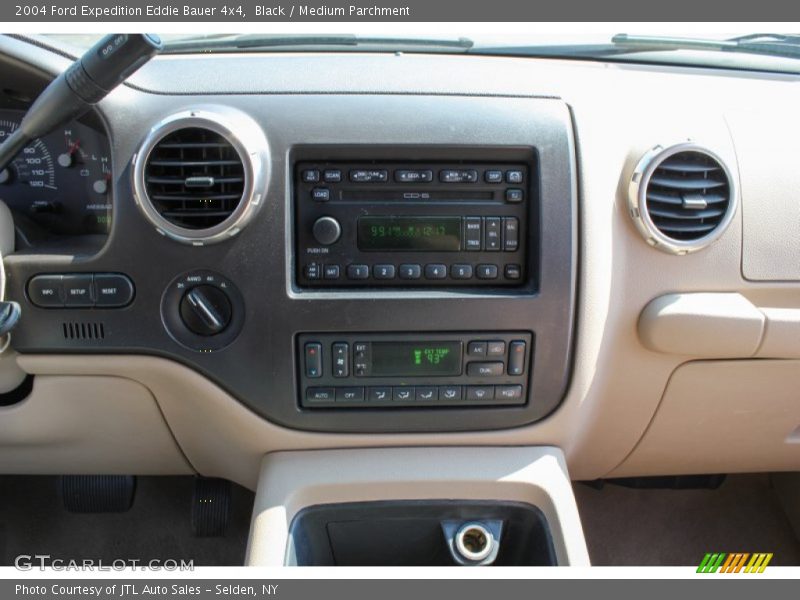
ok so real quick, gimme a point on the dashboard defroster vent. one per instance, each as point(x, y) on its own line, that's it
point(682, 198)
point(201, 175)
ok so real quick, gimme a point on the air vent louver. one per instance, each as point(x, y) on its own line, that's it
point(194, 178)
point(682, 198)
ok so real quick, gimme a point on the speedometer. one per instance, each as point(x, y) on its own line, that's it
point(34, 165)
point(60, 183)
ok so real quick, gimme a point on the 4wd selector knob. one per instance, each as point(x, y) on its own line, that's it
point(326, 230)
point(206, 310)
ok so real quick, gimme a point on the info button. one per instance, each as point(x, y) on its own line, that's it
point(46, 291)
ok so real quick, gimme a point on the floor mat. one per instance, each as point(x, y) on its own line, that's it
point(638, 527)
point(158, 526)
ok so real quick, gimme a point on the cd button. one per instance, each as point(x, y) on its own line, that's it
point(410, 271)
point(435, 271)
point(383, 271)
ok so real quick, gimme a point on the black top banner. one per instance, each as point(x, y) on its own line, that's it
point(333, 11)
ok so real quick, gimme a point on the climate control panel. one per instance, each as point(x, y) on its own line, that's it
point(414, 370)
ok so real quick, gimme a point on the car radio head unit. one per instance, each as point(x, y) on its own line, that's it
point(418, 224)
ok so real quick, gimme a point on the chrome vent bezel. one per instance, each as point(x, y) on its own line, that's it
point(640, 212)
point(248, 140)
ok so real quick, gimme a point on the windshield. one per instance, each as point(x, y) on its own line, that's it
point(773, 51)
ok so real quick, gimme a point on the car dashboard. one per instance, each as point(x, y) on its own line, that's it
point(302, 251)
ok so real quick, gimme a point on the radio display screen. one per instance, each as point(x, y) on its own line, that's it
point(441, 234)
point(410, 359)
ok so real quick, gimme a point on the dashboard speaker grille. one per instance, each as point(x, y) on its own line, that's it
point(194, 178)
point(77, 330)
point(688, 195)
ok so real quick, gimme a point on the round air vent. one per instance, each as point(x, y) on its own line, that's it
point(200, 175)
point(682, 198)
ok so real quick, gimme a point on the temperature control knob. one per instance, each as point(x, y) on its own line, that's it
point(326, 230)
point(206, 310)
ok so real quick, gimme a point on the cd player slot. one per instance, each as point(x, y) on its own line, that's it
point(417, 196)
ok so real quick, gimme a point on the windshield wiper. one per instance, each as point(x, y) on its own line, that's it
point(292, 42)
point(770, 44)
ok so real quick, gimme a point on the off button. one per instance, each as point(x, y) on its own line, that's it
point(112, 290)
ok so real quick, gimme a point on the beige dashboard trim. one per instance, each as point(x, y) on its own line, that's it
point(291, 481)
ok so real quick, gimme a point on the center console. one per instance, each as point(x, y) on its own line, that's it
point(336, 263)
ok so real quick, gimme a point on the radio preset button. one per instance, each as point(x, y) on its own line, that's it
point(357, 271)
point(514, 196)
point(461, 271)
point(435, 271)
point(369, 175)
point(486, 271)
point(311, 176)
point(326, 230)
point(409, 271)
point(332, 176)
point(413, 176)
point(331, 272)
point(493, 176)
point(319, 194)
point(514, 176)
point(458, 176)
point(473, 233)
point(383, 271)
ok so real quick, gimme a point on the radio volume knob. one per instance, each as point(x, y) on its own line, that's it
point(326, 230)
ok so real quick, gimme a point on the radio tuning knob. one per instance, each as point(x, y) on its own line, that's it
point(326, 230)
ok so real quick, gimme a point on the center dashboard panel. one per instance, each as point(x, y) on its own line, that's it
point(434, 247)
